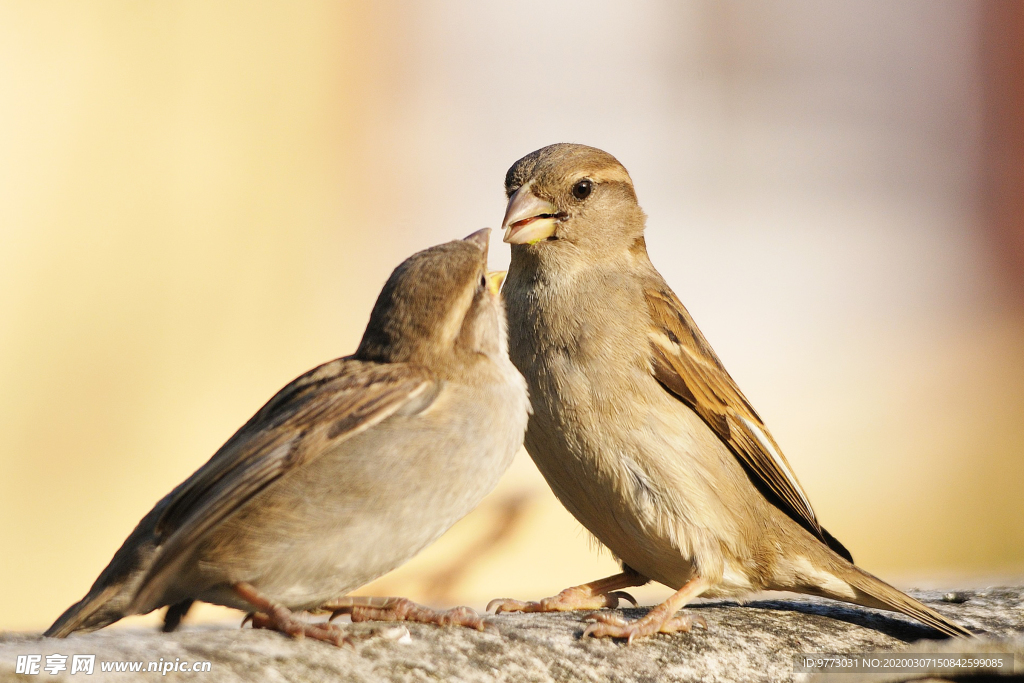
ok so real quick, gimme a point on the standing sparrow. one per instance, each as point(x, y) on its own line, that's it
point(345, 474)
point(637, 427)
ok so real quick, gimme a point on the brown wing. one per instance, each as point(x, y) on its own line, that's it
point(307, 418)
point(684, 363)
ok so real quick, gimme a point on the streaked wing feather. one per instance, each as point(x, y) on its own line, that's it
point(307, 418)
point(684, 363)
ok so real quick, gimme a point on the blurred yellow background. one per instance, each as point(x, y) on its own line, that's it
point(199, 201)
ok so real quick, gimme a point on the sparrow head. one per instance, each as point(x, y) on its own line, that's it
point(567, 193)
point(440, 308)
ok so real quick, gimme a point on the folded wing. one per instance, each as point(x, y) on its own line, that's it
point(684, 363)
point(307, 418)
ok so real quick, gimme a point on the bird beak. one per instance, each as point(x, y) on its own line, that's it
point(494, 280)
point(528, 218)
point(480, 238)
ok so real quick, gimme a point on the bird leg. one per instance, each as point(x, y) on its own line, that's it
point(402, 609)
point(594, 595)
point(276, 617)
point(661, 619)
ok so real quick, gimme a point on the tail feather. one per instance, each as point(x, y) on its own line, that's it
point(112, 593)
point(877, 593)
point(94, 611)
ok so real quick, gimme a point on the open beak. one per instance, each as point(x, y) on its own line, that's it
point(528, 219)
point(494, 280)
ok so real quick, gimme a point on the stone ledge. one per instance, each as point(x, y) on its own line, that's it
point(755, 642)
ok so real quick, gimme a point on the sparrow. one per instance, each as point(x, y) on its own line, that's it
point(637, 427)
point(345, 474)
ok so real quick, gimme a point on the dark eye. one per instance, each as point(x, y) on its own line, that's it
point(582, 189)
point(483, 282)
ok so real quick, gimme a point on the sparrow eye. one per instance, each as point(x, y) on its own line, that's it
point(582, 189)
point(483, 282)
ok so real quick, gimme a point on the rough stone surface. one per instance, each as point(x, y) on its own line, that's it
point(754, 642)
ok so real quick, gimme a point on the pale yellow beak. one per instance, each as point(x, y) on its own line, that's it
point(494, 281)
point(528, 218)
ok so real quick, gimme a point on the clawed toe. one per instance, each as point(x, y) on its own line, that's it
point(594, 595)
point(276, 617)
point(683, 623)
point(457, 616)
point(403, 609)
point(328, 633)
point(627, 630)
point(568, 600)
point(606, 618)
point(621, 595)
point(499, 605)
point(508, 605)
point(607, 625)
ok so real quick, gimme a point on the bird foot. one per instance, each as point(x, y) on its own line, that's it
point(403, 609)
point(274, 616)
point(577, 597)
point(287, 623)
point(607, 625)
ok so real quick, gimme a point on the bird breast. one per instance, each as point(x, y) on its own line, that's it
point(636, 467)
